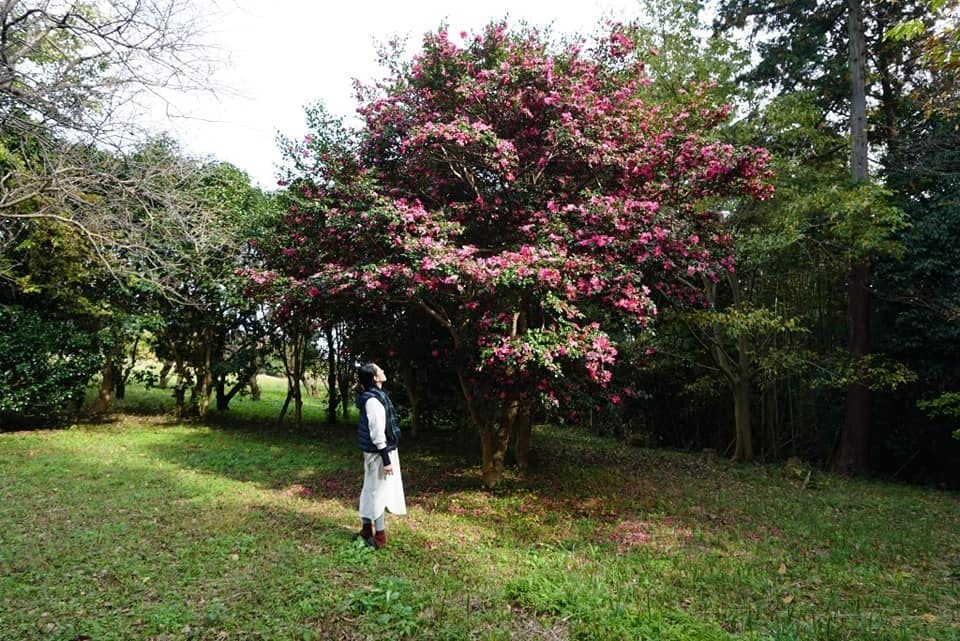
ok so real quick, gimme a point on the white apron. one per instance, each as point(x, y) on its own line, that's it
point(381, 492)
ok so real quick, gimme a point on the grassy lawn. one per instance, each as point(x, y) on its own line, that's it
point(144, 528)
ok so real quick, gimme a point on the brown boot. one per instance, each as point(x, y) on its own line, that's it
point(366, 532)
point(380, 539)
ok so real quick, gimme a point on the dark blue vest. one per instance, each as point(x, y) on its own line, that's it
point(363, 428)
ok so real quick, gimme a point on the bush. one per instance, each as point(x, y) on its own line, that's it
point(45, 366)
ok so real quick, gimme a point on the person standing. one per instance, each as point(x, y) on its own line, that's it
point(378, 435)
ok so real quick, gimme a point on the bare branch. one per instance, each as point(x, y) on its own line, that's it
point(72, 75)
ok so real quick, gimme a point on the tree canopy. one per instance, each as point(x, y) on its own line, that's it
point(533, 199)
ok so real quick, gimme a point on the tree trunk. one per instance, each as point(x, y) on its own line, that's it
point(107, 385)
point(255, 392)
point(736, 368)
point(299, 368)
point(522, 431)
point(252, 380)
point(409, 375)
point(244, 376)
point(298, 406)
point(180, 393)
point(741, 410)
point(294, 364)
point(204, 388)
point(332, 399)
point(164, 374)
point(293, 394)
point(494, 436)
point(223, 402)
point(286, 404)
point(125, 372)
point(346, 397)
point(851, 456)
point(741, 401)
point(345, 376)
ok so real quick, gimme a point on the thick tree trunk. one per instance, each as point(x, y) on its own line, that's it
point(742, 397)
point(494, 436)
point(741, 411)
point(223, 395)
point(107, 385)
point(851, 455)
point(522, 432)
point(223, 402)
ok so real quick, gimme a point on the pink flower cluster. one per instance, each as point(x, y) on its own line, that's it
point(504, 178)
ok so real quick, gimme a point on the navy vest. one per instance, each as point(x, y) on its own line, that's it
point(363, 428)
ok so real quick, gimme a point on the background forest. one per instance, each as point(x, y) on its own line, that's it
point(736, 234)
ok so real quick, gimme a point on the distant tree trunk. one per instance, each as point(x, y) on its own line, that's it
point(344, 381)
point(345, 374)
point(107, 385)
point(204, 388)
point(294, 354)
point(851, 456)
point(164, 374)
point(736, 368)
point(743, 450)
point(180, 390)
point(255, 392)
point(224, 396)
point(252, 379)
point(332, 398)
point(124, 374)
point(410, 382)
point(220, 390)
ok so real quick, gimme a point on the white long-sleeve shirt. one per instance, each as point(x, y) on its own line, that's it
point(377, 422)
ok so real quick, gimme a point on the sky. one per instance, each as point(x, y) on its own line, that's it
point(277, 57)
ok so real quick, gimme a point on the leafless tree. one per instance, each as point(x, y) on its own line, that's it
point(74, 77)
point(79, 67)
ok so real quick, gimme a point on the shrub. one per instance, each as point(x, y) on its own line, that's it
point(45, 366)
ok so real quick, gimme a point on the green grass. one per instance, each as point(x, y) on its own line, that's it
point(144, 528)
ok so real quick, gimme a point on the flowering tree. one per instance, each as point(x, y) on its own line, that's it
point(532, 200)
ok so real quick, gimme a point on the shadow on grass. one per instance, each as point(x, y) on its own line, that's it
point(320, 461)
point(111, 547)
point(567, 481)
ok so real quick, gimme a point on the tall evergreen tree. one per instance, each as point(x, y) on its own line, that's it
point(821, 45)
